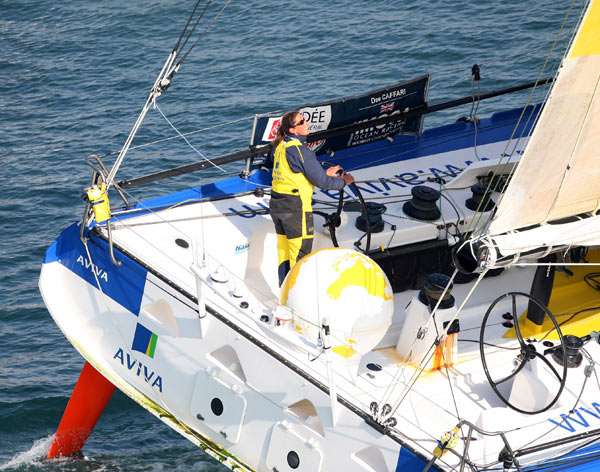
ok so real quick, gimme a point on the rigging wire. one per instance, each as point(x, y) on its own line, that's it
point(177, 48)
point(204, 32)
point(180, 135)
point(190, 144)
point(280, 111)
point(349, 155)
point(430, 352)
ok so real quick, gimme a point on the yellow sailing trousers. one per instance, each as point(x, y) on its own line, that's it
point(294, 228)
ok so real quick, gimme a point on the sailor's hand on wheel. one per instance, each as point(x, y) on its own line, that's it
point(335, 171)
point(348, 178)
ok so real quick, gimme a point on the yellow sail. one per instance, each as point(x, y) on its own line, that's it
point(559, 173)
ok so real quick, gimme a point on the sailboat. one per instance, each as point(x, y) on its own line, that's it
point(447, 318)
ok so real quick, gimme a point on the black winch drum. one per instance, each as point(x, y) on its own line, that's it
point(423, 205)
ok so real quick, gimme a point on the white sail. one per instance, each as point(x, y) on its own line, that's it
point(559, 173)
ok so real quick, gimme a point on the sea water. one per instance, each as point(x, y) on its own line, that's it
point(73, 77)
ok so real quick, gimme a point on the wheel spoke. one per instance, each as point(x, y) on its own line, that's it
point(547, 362)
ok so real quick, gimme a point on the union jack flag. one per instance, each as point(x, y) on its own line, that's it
point(386, 107)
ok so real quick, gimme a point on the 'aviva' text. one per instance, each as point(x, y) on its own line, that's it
point(140, 369)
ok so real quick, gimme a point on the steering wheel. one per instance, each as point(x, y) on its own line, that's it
point(332, 221)
point(527, 351)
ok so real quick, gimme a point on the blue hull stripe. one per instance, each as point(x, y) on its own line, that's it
point(584, 460)
point(408, 461)
point(124, 284)
point(461, 135)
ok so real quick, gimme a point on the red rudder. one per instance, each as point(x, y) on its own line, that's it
point(89, 397)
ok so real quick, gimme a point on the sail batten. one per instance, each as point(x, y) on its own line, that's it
point(558, 175)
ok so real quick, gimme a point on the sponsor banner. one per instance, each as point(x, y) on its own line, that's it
point(349, 110)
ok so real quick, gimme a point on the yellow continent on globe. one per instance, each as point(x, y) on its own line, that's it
point(363, 273)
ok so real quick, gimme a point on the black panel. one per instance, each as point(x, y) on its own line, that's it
point(407, 267)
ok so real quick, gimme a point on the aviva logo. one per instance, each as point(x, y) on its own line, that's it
point(144, 341)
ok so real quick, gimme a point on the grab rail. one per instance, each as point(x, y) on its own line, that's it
point(99, 175)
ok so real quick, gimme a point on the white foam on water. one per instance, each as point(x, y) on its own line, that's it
point(34, 456)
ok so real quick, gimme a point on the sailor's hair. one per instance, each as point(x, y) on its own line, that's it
point(287, 122)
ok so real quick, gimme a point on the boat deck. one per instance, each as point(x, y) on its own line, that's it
point(425, 403)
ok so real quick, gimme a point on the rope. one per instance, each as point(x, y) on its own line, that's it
point(458, 415)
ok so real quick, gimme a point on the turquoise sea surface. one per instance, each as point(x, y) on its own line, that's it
point(74, 76)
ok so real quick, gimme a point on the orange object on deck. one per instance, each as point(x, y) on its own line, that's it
point(89, 397)
point(445, 353)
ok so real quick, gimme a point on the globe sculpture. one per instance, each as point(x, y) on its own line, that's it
point(348, 290)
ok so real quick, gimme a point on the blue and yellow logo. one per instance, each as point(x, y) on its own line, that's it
point(144, 340)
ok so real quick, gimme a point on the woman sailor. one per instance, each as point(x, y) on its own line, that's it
point(295, 173)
